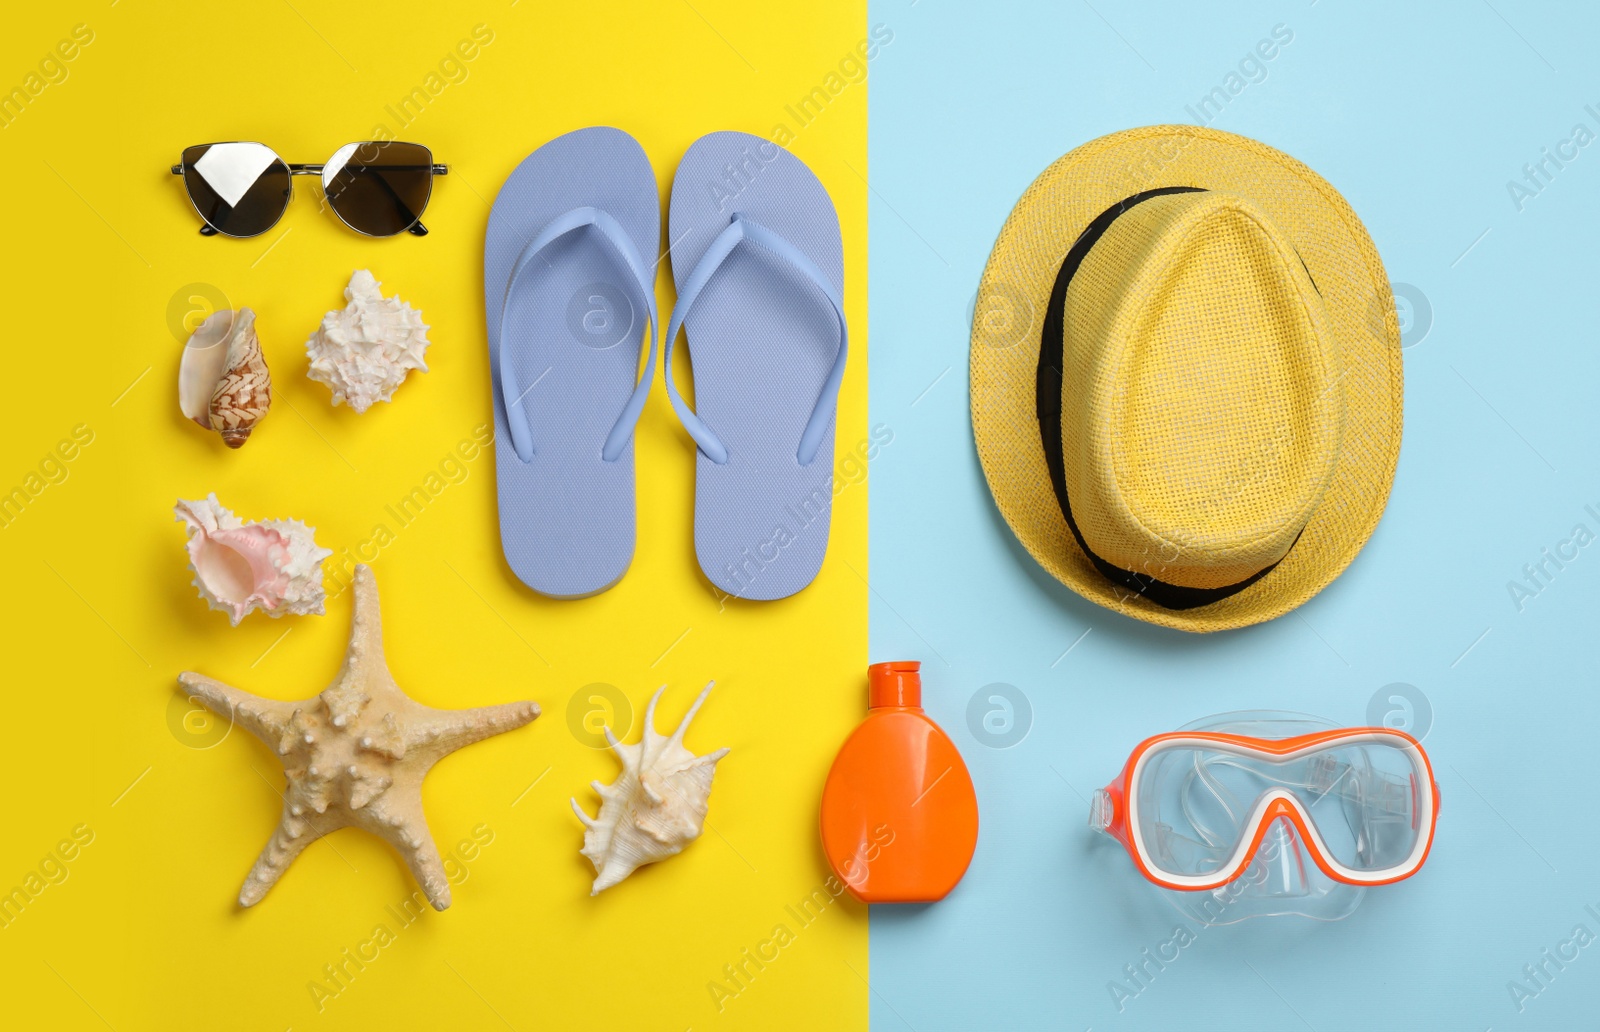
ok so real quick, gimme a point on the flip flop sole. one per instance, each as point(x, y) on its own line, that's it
point(762, 340)
point(567, 517)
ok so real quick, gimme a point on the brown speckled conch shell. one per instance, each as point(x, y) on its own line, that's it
point(223, 383)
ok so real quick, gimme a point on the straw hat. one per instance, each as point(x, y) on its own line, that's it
point(1186, 380)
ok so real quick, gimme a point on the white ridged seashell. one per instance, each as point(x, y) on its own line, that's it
point(223, 382)
point(657, 805)
point(364, 350)
point(271, 565)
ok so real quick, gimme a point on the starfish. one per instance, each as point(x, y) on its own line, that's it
point(356, 754)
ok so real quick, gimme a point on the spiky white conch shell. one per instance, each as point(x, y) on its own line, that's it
point(657, 805)
point(364, 350)
point(271, 565)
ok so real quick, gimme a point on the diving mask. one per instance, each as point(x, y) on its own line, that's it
point(1234, 806)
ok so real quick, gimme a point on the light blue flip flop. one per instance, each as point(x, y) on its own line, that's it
point(759, 267)
point(568, 292)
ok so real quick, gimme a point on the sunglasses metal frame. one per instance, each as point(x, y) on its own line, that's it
point(300, 169)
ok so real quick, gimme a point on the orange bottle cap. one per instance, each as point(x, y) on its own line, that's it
point(894, 684)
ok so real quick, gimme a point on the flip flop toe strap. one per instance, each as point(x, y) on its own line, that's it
point(741, 229)
point(642, 288)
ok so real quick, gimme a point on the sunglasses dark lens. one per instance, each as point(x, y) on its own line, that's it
point(240, 189)
point(379, 188)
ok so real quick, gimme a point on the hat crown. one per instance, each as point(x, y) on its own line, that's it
point(1202, 404)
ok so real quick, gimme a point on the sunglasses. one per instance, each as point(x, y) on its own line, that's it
point(378, 188)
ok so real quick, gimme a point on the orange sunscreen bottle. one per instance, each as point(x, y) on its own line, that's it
point(899, 816)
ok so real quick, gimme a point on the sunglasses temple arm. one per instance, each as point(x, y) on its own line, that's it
point(417, 228)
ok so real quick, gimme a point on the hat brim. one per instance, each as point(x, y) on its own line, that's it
point(1344, 265)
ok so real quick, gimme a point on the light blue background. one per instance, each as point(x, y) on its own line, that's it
point(1420, 116)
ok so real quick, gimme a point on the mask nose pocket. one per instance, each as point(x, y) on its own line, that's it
point(1282, 863)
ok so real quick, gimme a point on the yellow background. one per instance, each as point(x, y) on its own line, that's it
point(144, 932)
